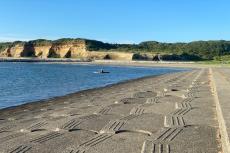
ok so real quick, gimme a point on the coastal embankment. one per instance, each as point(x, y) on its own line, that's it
point(168, 113)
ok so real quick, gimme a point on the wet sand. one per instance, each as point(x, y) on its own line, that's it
point(172, 113)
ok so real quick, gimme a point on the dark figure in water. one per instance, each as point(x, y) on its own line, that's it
point(102, 71)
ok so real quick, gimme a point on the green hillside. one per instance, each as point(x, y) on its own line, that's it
point(198, 50)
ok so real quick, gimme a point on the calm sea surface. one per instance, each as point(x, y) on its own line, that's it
point(26, 82)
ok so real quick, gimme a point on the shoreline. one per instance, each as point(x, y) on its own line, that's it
point(171, 64)
point(117, 63)
point(43, 60)
point(137, 63)
point(142, 63)
point(37, 102)
point(136, 111)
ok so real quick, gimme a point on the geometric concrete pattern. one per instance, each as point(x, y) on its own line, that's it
point(172, 113)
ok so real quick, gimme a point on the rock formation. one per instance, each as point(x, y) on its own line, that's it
point(59, 49)
point(42, 51)
point(16, 51)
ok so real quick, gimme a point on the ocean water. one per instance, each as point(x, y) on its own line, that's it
point(27, 82)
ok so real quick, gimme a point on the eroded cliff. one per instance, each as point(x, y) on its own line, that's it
point(63, 48)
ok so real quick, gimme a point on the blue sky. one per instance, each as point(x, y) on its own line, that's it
point(121, 21)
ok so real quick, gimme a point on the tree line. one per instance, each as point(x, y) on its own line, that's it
point(197, 50)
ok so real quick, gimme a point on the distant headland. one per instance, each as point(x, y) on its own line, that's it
point(92, 49)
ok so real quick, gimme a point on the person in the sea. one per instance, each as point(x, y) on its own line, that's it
point(102, 71)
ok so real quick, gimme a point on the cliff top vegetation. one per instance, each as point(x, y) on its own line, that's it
point(205, 50)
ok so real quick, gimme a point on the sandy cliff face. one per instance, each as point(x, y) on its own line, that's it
point(16, 51)
point(111, 55)
point(5, 53)
point(61, 50)
point(67, 50)
point(120, 56)
point(26, 51)
point(42, 51)
point(78, 50)
point(58, 50)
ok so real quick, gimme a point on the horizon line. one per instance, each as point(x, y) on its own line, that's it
point(11, 40)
